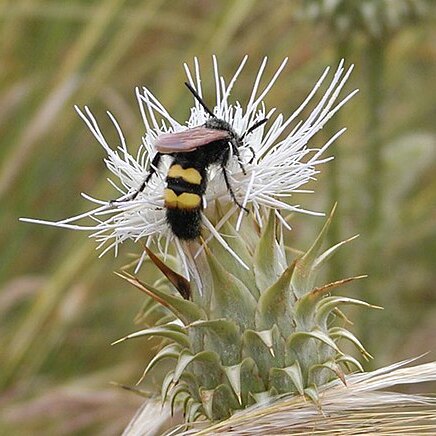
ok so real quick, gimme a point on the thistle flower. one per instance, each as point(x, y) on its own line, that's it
point(239, 336)
point(283, 161)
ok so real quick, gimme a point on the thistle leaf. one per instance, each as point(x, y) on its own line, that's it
point(243, 379)
point(304, 278)
point(288, 379)
point(170, 331)
point(346, 359)
point(324, 257)
point(180, 389)
point(192, 409)
point(266, 336)
point(259, 346)
point(312, 393)
point(170, 351)
point(185, 310)
point(187, 379)
point(296, 339)
point(265, 396)
point(223, 336)
point(167, 384)
point(206, 396)
point(150, 310)
point(275, 305)
point(223, 402)
point(251, 381)
point(326, 305)
point(227, 261)
point(306, 307)
point(249, 230)
point(218, 402)
point(231, 298)
point(318, 292)
point(339, 332)
point(233, 374)
point(186, 358)
point(316, 373)
point(268, 258)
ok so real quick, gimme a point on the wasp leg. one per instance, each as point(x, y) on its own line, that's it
point(253, 153)
point(153, 168)
point(250, 130)
point(235, 151)
point(224, 161)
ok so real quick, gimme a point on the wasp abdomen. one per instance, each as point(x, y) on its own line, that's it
point(189, 175)
point(183, 200)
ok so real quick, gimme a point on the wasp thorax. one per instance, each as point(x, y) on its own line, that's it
point(218, 124)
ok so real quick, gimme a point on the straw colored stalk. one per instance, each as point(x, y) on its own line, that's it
point(363, 406)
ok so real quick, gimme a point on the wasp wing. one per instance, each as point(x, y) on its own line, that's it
point(188, 140)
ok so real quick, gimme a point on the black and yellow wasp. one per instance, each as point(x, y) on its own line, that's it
point(193, 151)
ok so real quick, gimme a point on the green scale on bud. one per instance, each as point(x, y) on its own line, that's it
point(251, 334)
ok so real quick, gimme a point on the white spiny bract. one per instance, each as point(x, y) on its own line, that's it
point(283, 163)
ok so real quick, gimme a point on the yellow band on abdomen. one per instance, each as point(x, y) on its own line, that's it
point(190, 175)
point(185, 200)
point(170, 198)
point(188, 200)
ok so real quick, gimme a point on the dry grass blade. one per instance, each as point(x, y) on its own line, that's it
point(358, 408)
point(150, 419)
point(42, 121)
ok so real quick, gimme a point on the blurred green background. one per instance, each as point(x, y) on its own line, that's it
point(61, 306)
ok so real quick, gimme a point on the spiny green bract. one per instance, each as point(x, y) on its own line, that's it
point(250, 334)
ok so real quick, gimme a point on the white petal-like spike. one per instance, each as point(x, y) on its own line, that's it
point(282, 163)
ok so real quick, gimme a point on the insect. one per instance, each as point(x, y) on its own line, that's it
point(193, 151)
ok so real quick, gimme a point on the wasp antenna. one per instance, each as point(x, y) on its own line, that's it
point(199, 99)
point(254, 127)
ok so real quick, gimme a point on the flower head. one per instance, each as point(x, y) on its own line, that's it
point(276, 156)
